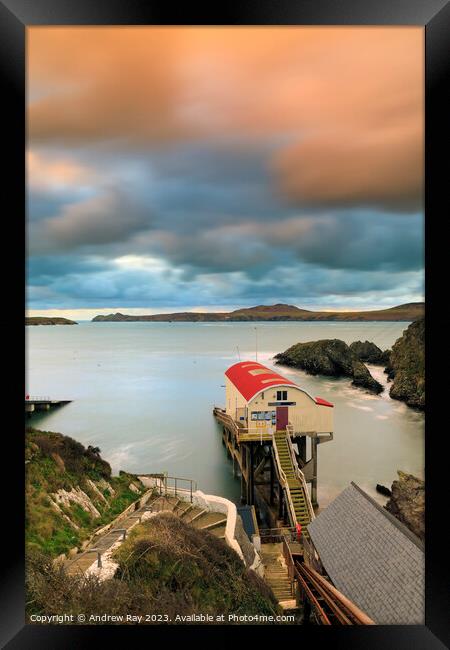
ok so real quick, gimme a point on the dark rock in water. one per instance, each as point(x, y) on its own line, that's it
point(383, 490)
point(407, 502)
point(370, 353)
point(406, 366)
point(330, 357)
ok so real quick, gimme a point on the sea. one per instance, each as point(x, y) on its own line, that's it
point(144, 393)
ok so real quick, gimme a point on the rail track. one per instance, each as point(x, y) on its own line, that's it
point(329, 605)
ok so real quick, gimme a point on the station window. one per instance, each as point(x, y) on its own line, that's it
point(281, 395)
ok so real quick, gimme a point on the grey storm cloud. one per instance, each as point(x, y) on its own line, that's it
point(334, 241)
point(109, 217)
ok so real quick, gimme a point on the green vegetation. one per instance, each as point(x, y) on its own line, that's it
point(165, 567)
point(58, 521)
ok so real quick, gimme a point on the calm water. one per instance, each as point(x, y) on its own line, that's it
point(144, 393)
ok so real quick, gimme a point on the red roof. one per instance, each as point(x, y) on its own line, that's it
point(249, 382)
point(251, 377)
point(323, 402)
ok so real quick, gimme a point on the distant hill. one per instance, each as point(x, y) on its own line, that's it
point(408, 312)
point(44, 320)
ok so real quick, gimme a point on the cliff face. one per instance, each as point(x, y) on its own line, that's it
point(407, 366)
point(44, 320)
point(407, 502)
point(69, 491)
point(330, 357)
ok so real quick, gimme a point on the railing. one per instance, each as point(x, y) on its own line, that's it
point(244, 434)
point(290, 565)
point(174, 484)
point(301, 477)
point(38, 398)
point(284, 482)
point(100, 551)
point(276, 535)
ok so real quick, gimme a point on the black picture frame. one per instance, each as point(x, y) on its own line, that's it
point(433, 15)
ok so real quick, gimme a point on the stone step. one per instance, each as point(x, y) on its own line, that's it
point(219, 531)
point(208, 520)
point(185, 511)
point(193, 514)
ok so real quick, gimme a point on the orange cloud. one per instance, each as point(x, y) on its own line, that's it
point(46, 173)
point(348, 102)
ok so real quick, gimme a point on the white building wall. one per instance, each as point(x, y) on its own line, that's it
point(306, 416)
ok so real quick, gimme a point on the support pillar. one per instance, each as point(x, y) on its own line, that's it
point(272, 486)
point(250, 475)
point(243, 489)
point(302, 448)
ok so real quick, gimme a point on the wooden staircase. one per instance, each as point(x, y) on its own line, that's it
point(293, 485)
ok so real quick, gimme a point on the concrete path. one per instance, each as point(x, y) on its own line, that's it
point(87, 561)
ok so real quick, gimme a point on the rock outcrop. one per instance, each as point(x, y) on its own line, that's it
point(382, 489)
point(406, 366)
point(330, 357)
point(407, 502)
point(370, 353)
point(44, 320)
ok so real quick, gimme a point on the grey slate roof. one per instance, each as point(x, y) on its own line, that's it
point(372, 558)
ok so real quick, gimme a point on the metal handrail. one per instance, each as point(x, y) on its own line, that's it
point(177, 479)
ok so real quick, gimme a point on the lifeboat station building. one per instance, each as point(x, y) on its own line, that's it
point(271, 429)
point(262, 401)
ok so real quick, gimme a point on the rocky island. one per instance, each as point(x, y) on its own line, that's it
point(406, 366)
point(331, 357)
point(280, 312)
point(368, 352)
point(44, 320)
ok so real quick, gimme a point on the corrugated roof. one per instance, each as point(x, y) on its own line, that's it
point(372, 558)
point(251, 377)
point(249, 384)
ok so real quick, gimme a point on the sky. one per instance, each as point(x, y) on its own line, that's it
point(173, 169)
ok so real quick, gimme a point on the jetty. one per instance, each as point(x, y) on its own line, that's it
point(35, 403)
